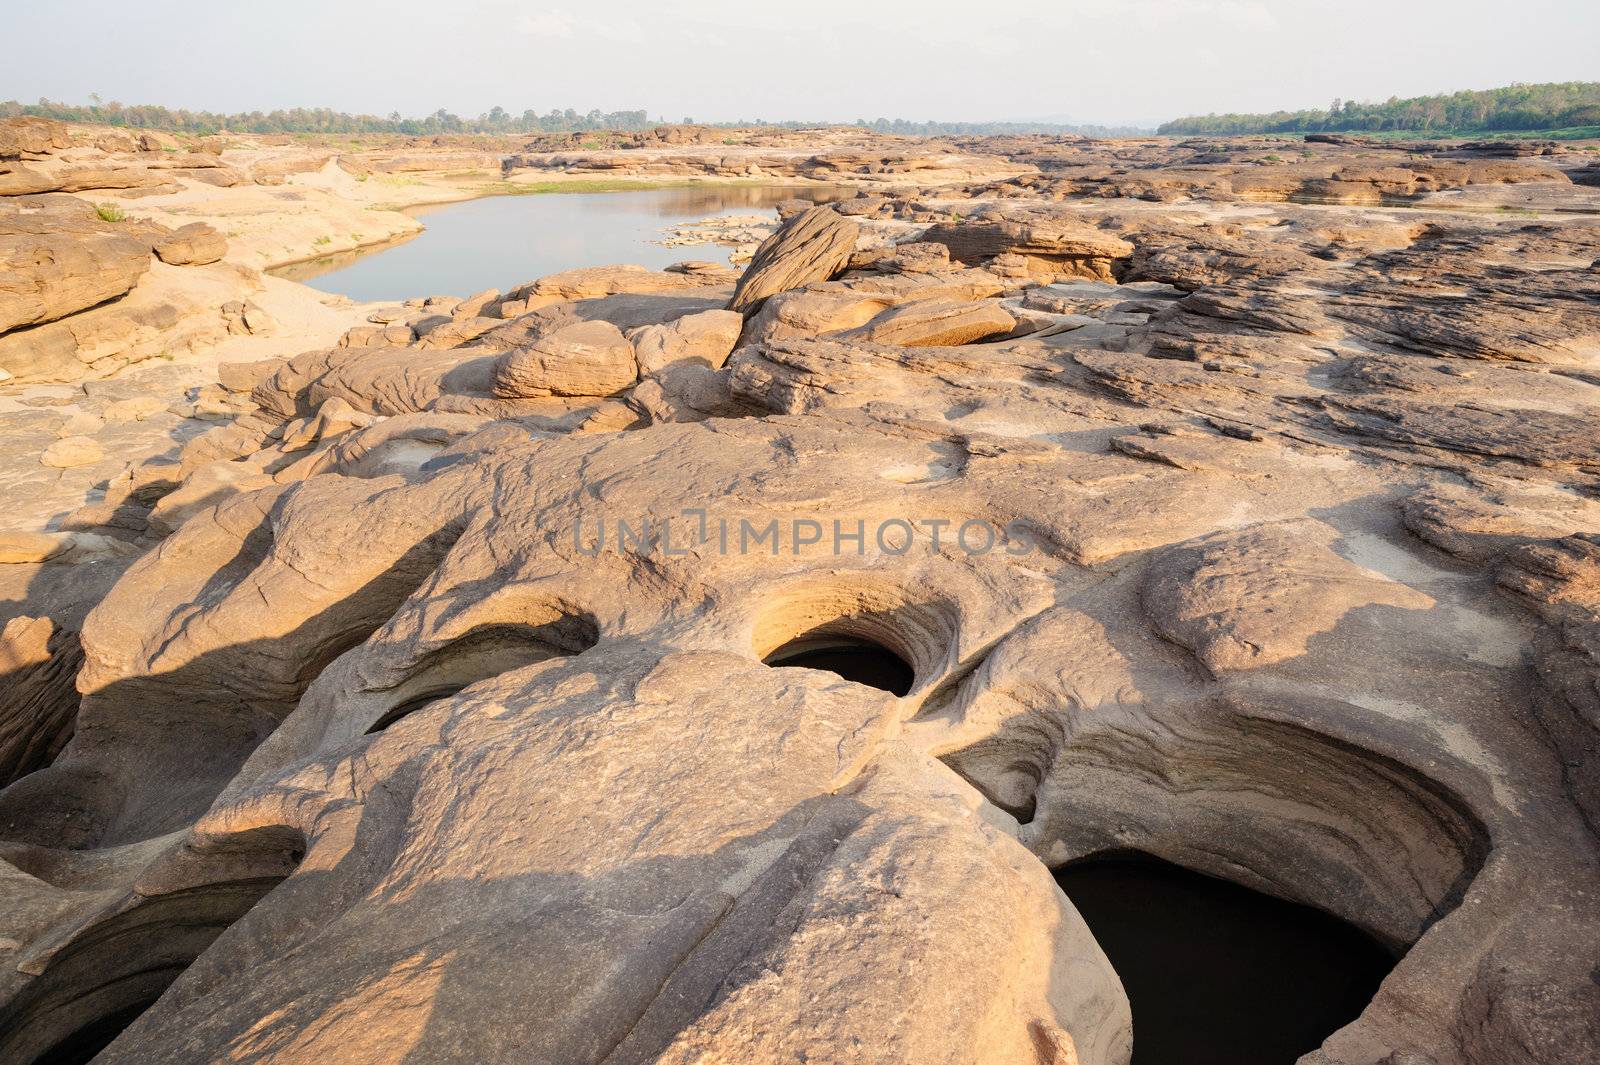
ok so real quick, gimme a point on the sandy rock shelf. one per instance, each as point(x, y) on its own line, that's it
point(1089, 498)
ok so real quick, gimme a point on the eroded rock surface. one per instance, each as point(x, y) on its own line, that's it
point(420, 705)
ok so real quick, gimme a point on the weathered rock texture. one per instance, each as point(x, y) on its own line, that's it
point(429, 719)
point(58, 257)
point(812, 246)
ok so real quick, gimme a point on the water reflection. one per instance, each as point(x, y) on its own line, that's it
point(502, 241)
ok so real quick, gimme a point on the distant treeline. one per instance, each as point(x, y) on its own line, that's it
point(324, 120)
point(984, 129)
point(1556, 105)
point(496, 120)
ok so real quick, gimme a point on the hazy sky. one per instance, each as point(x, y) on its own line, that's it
point(1107, 61)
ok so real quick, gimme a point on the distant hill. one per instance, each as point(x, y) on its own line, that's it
point(1552, 106)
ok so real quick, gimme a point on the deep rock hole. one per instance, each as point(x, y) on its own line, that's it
point(105, 980)
point(82, 1046)
point(1218, 974)
point(854, 659)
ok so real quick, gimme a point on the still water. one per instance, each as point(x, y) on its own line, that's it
point(502, 241)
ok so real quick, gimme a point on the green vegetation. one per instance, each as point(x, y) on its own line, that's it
point(1563, 109)
point(984, 129)
point(320, 241)
point(303, 121)
point(110, 212)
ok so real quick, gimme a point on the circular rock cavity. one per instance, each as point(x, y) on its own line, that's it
point(1217, 974)
point(861, 661)
point(484, 652)
point(1248, 791)
point(91, 988)
point(864, 631)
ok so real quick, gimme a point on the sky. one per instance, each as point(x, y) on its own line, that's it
point(1100, 61)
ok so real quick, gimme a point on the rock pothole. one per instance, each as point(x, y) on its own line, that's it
point(1217, 974)
point(857, 660)
point(863, 630)
point(95, 987)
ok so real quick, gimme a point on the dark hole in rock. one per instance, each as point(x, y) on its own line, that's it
point(109, 972)
point(106, 978)
point(81, 1046)
point(861, 661)
point(1218, 974)
point(411, 706)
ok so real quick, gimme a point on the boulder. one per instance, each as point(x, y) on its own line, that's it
point(1050, 247)
point(152, 141)
point(57, 257)
point(27, 135)
point(195, 244)
point(934, 323)
point(245, 376)
point(705, 339)
point(582, 359)
point(808, 313)
point(814, 245)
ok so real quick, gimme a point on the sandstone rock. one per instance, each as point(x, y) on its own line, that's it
point(806, 313)
point(477, 306)
point(1203, 257)
point(1308, 600)
point(133, 409)
point(245, 376)
point(18, 547)
point(918, 257)
point(206, 487)
point(19, 180)
point(72, 451)
point(82, 424)
point(1050, 248)
point(258, 322)
point(27, 135)
point(812, 246)
point(595, 282)
point(710, 272)
point(934, 323)
point(128, 180)
point(706, 339)
point(585, 359)
point(334, 416)
point(57, 257)
point(153, 141)
point(62, 548)
point(192, 245)
point(1251, 598)
point(116, 140)
point(37, 700)
point(276, 171)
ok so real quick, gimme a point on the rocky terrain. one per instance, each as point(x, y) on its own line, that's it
point(390, 683)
